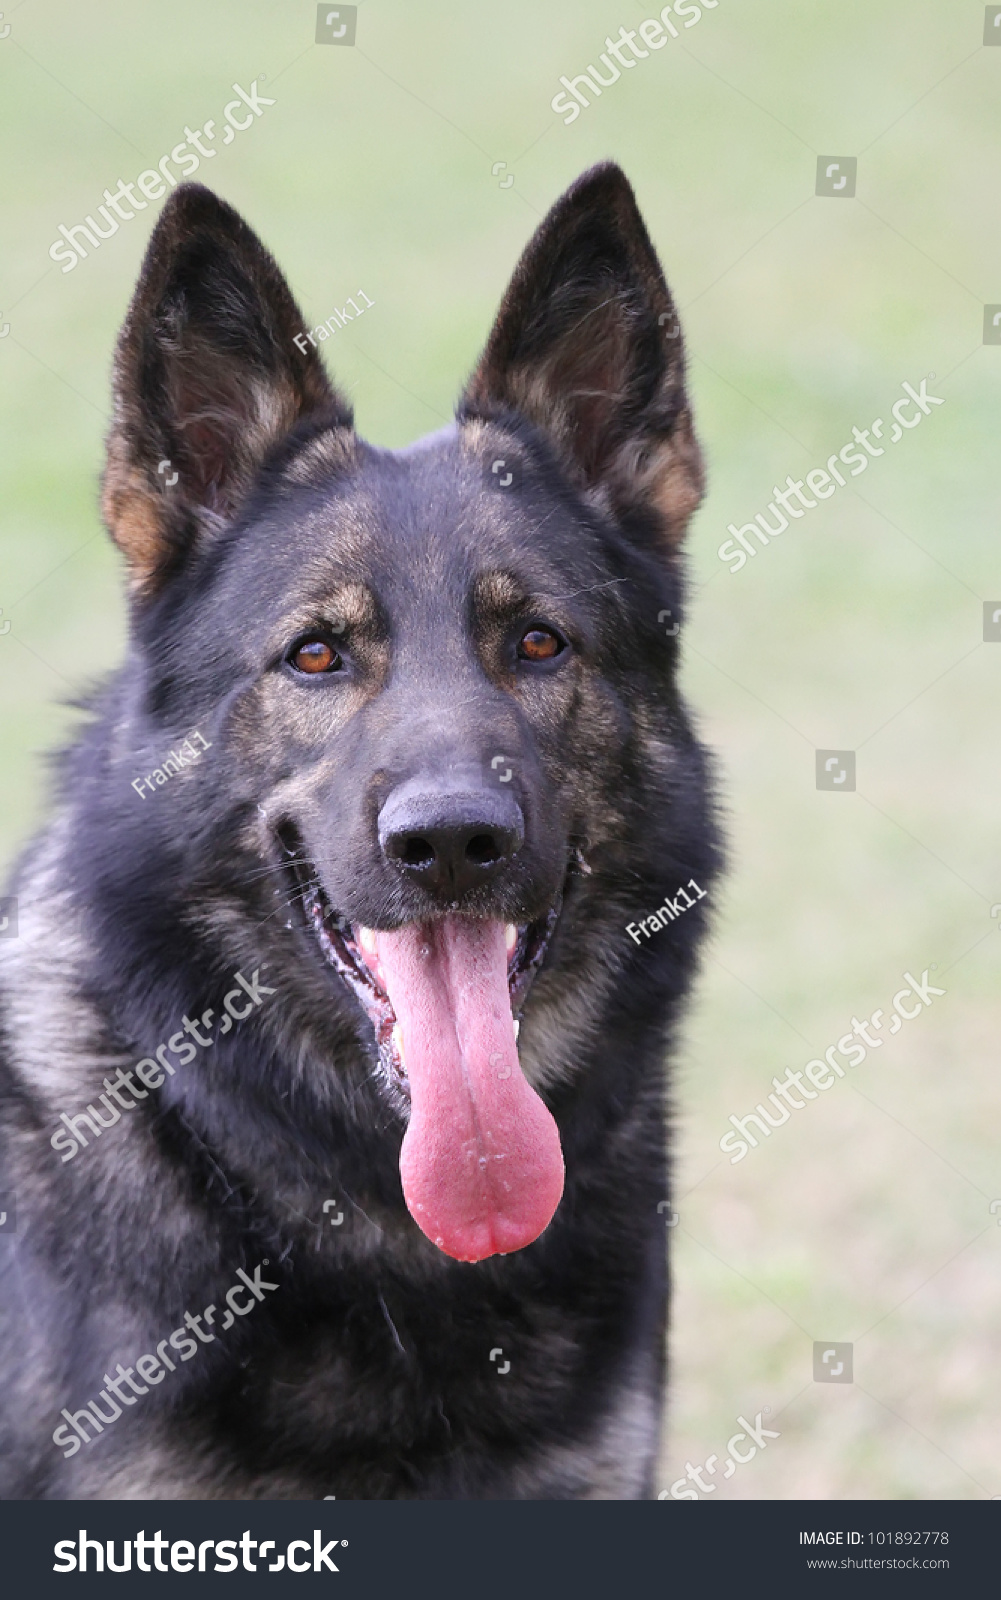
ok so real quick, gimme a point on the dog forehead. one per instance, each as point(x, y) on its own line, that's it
point(433, 517)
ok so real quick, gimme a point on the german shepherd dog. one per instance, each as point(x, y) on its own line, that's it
point(332, 1083)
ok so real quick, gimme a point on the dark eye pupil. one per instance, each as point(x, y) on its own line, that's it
point(538, 644)
point(315, 655)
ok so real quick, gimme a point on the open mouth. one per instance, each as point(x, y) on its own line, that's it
point(481, 1163)
point(353, 951)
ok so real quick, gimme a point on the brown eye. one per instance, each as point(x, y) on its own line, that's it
point(314, 655)
point(539, 644)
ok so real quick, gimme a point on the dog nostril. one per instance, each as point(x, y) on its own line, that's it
point(418, 853)
point(446, 841)
point(482, 850)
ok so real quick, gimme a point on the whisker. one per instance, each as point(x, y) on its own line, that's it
point(264, 872)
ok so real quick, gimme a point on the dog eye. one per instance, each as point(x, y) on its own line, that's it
point(313, 656)
point(540, 644)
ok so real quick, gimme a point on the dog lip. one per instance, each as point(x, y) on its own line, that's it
point(338, 945)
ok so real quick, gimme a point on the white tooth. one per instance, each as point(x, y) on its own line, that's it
point(517, 1030)
point(367, 940)
point(397, 1037)
point(510, 937)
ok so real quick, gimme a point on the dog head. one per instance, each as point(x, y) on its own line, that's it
point(424, 674)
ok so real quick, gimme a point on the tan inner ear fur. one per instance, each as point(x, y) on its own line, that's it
point(664, 473)
point(132, 515)
point(134, 504)
point(667, 474)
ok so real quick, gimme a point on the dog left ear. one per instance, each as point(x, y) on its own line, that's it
point(208, 377)
point(587, 346)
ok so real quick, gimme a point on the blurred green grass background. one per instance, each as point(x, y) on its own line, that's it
point(866, 1218)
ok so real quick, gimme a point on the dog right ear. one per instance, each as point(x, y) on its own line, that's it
point(587, 346)
point(208, 377)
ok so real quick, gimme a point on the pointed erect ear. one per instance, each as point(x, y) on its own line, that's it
point(208, 377)
point(587, 346)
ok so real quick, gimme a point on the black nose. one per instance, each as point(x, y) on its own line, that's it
point(449, 841)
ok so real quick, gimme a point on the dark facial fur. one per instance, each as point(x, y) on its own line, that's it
point(367, 1373)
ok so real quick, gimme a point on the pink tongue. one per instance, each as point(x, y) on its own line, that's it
point(481, 1163)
